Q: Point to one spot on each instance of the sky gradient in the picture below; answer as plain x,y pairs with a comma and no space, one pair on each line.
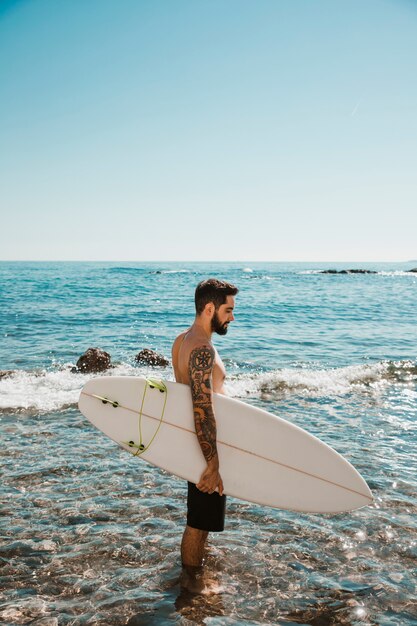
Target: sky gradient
282,130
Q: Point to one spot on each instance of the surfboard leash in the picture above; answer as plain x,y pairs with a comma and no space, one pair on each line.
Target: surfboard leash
151,383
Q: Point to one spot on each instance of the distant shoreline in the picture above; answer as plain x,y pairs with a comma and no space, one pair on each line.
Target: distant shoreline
216,262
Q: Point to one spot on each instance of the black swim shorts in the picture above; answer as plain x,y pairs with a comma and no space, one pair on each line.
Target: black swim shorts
205,511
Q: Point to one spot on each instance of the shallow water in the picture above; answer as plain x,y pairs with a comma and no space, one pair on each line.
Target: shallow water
90,535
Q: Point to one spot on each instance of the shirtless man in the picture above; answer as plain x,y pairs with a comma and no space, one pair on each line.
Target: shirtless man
197,363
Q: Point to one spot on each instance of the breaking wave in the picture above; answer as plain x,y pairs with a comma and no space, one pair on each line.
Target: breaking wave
43,391
325,382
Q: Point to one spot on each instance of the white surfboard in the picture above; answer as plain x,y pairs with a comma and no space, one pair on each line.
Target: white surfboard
263,458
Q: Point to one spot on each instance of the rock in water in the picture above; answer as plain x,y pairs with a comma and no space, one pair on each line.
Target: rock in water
93,360
348,272
150,357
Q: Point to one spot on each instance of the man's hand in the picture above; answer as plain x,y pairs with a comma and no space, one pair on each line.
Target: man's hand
210,479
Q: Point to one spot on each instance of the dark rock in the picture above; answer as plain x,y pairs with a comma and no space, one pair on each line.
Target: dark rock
150,357
6,373
413,270
348,272
362,272
93,360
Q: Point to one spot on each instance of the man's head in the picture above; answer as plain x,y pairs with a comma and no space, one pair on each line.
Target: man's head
215,298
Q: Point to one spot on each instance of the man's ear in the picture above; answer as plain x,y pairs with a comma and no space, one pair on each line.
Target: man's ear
209,309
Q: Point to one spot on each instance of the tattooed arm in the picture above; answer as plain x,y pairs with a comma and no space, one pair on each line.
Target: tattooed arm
200,371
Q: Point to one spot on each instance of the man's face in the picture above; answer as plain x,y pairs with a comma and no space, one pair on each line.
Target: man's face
223,316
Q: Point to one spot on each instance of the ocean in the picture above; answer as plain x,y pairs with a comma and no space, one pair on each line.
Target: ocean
91,535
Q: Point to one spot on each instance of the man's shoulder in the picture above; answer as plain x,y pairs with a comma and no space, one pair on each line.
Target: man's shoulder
202,345
180,337
202,357
179,340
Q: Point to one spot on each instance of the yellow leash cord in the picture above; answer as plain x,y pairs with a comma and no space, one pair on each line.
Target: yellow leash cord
151,383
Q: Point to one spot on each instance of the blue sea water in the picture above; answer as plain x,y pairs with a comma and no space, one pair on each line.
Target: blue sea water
90,535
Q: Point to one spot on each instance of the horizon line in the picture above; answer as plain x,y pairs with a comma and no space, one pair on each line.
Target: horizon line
192,261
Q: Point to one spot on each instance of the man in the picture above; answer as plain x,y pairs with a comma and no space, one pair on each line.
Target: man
197,363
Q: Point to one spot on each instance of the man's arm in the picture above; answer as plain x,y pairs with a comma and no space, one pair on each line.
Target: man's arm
200,371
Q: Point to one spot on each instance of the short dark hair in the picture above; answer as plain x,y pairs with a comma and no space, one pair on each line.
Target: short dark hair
212,290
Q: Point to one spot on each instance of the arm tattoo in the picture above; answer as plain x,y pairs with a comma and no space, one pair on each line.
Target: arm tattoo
200,370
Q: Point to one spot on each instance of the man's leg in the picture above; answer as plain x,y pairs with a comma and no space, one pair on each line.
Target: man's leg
192,546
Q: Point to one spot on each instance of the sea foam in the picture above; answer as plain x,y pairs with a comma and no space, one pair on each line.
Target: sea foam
43,391
324,382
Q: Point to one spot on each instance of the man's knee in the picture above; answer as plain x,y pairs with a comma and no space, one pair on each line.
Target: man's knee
196,533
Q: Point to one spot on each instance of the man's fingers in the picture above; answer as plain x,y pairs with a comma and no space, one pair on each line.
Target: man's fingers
209,486
202,488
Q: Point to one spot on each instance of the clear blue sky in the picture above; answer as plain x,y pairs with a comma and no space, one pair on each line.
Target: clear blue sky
282,130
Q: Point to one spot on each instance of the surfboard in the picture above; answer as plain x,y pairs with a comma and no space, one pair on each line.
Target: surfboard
263,458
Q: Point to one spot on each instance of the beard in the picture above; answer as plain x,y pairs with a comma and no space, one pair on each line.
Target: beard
217,326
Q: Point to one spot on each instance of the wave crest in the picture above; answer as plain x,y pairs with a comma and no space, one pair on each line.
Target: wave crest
324,382
40,392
